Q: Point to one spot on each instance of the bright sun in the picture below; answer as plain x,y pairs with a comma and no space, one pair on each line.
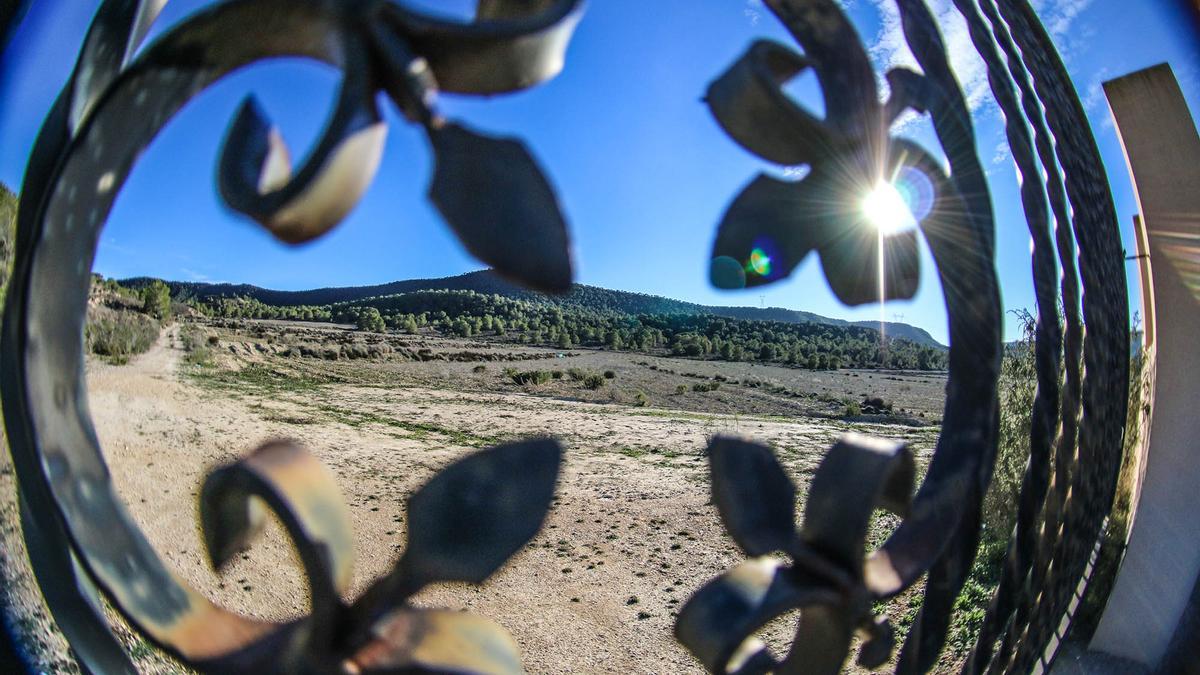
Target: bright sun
885,209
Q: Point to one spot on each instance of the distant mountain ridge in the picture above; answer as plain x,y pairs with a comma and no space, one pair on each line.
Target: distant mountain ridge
486,281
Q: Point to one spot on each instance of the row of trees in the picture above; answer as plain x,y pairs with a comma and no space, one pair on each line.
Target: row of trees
241,307
695,335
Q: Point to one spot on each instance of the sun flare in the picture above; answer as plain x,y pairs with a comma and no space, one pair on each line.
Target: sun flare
886,209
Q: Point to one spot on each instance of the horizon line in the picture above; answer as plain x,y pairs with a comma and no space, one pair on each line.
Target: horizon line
854,322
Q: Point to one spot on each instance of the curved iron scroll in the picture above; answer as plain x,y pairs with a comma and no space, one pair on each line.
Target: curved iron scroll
772,226
469,519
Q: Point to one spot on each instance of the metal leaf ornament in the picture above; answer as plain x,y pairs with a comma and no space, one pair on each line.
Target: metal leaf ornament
828,579
84,542
491,191
774,224
463,525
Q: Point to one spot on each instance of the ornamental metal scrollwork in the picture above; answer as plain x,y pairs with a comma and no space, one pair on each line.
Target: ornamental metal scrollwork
774,224
827,579
850,152
469,519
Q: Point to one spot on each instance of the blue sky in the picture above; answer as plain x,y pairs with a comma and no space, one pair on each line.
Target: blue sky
643,171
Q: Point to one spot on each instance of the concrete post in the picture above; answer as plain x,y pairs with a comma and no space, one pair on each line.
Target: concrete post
1153,595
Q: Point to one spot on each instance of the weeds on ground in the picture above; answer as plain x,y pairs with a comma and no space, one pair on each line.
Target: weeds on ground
259,378
531,377
197,346
121,335
413,430
1017,388
1116,531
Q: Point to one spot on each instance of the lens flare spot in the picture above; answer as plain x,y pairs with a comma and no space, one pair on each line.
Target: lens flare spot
885,209
917,191
725,272
760,263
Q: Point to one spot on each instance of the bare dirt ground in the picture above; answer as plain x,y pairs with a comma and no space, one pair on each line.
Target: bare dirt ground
631,533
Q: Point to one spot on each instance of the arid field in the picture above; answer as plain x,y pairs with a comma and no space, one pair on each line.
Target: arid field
631,533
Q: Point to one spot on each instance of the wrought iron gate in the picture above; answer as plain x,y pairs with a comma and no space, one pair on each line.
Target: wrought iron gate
469,519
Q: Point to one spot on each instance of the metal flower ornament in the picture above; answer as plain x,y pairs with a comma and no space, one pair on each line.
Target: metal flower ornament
463,525
866,196
827,579
468,520
386,48
861,184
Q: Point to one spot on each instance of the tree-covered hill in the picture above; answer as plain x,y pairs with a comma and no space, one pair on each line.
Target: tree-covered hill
690,334
582,296
532,320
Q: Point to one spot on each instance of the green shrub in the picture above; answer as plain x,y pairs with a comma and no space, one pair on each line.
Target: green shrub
121,335
479,368
853,409
534,377
371,320
608,375
1017,388
191,337
640,399
156,300
196,346
199,357
972,602
593,381
681,389
556,374
577,374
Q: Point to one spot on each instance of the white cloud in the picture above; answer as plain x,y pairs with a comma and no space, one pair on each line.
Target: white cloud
193,275
890,50
753,11
109,244
1093,99
1001,154
1059,16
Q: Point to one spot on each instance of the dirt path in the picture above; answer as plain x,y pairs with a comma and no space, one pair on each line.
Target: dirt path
631,534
